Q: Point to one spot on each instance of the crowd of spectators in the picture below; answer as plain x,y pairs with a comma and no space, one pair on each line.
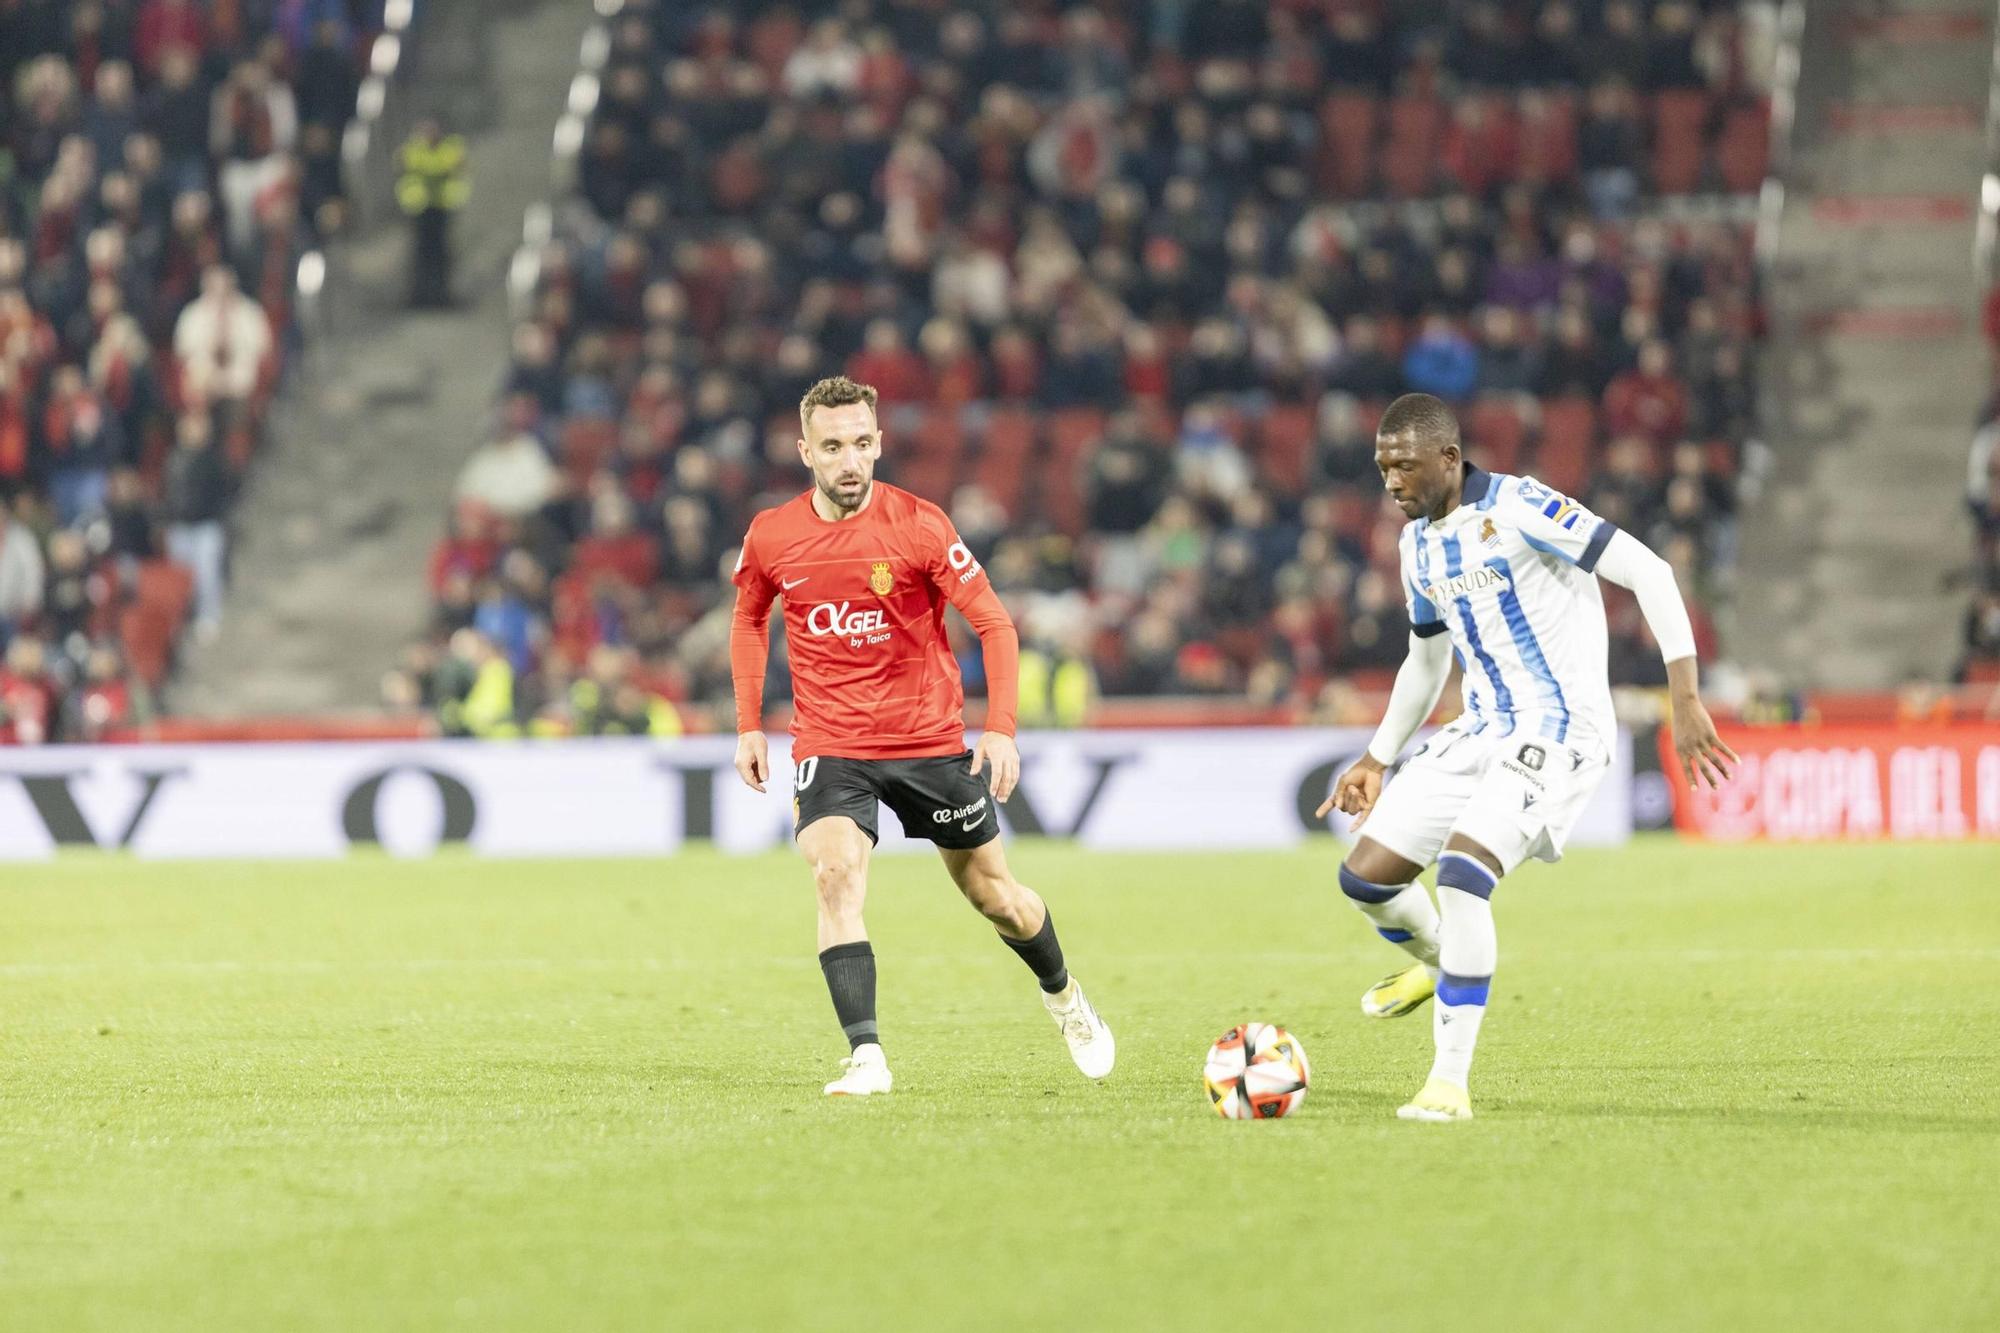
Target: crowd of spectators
163,166
1134,281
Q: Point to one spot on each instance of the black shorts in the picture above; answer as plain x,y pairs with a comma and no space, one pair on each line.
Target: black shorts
937,799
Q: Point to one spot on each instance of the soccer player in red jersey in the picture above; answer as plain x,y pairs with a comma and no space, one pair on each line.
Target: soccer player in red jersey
865,570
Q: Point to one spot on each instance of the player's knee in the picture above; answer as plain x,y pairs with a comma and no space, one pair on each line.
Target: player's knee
1467,871
839,877
1364,890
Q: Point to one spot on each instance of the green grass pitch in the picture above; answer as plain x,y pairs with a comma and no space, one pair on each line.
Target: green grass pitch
1747,1088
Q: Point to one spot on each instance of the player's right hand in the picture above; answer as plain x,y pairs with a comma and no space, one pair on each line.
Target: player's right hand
753,759
1355,791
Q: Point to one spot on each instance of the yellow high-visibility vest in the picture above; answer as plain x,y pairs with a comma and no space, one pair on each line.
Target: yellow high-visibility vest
433,175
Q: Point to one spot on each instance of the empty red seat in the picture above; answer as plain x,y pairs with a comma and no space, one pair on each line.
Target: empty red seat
585,444
1006,458
1072,432
1548,138
1680,118
1285,446
148,639
1569,438
166,586
1410,157
1743,152
938,432
1348,121
932,476
1495,432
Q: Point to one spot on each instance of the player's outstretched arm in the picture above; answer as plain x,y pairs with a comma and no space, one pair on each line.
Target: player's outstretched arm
1419,681
1628,563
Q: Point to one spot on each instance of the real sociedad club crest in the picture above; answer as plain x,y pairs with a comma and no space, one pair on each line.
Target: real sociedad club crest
880,579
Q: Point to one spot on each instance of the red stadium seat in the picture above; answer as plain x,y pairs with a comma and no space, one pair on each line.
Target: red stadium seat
1285,446
1073,431
772,39
585,444
1569,439
1548,138
165,586
149,642
1348,121
1410,157
1006,458
1743,153
1495,432
1679,124
939,432
1481,144
932,476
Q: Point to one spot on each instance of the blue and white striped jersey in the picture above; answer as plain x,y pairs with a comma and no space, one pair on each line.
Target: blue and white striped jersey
1509,575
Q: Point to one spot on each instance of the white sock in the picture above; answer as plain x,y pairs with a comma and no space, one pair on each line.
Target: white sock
1409,921
1468,951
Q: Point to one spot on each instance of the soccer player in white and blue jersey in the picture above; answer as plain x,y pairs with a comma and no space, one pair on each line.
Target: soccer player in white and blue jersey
1502,572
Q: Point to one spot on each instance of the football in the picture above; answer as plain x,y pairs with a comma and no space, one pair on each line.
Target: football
1256,1072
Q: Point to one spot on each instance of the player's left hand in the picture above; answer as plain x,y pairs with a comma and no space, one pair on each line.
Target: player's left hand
1700,749
999,752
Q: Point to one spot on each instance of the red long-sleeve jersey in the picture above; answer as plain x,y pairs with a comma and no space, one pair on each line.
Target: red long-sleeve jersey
872,673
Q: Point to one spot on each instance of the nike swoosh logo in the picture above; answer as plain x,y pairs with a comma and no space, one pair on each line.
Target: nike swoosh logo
970,824
789,584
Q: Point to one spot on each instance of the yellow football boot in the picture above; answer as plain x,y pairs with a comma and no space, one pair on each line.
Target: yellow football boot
1440,1103
1399,993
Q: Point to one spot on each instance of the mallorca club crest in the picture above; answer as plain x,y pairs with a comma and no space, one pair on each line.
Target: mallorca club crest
880,579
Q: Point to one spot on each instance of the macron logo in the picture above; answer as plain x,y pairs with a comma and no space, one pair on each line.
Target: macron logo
1482,579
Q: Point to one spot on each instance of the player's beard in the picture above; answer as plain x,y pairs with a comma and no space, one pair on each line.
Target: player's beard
839,498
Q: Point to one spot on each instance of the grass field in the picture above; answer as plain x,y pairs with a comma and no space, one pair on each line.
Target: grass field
1717,1088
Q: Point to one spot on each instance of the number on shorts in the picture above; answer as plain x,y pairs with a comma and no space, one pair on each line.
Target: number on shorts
804,777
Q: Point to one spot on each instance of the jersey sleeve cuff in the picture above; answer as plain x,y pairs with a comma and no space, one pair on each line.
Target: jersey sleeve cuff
1594,549
1428,628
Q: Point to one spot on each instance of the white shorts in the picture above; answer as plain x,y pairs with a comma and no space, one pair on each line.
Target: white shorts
1517,796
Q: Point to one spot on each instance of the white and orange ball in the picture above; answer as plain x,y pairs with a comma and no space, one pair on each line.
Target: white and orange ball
1256,1072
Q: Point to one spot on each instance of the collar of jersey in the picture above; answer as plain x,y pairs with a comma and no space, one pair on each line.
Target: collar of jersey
1475,482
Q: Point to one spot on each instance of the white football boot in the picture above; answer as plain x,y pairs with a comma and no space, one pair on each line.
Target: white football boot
865,1073
1091,1044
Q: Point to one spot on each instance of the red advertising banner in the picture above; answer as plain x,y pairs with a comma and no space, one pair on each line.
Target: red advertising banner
1820,784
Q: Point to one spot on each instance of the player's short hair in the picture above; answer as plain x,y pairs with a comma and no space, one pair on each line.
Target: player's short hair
1429,419
835,391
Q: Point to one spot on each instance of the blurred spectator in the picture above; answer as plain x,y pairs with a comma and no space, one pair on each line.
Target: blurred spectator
28,695
433,186
222,339
510,474
198,490
81,441
21,574
1441,361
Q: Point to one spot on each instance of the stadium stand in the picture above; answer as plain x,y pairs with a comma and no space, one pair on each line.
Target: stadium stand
163,166
1135,282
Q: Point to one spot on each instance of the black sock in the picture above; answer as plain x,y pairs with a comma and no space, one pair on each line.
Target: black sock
1043,955
850,979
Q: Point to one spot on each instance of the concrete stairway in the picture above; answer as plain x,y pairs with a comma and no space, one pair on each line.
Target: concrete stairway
1875,367
333,533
